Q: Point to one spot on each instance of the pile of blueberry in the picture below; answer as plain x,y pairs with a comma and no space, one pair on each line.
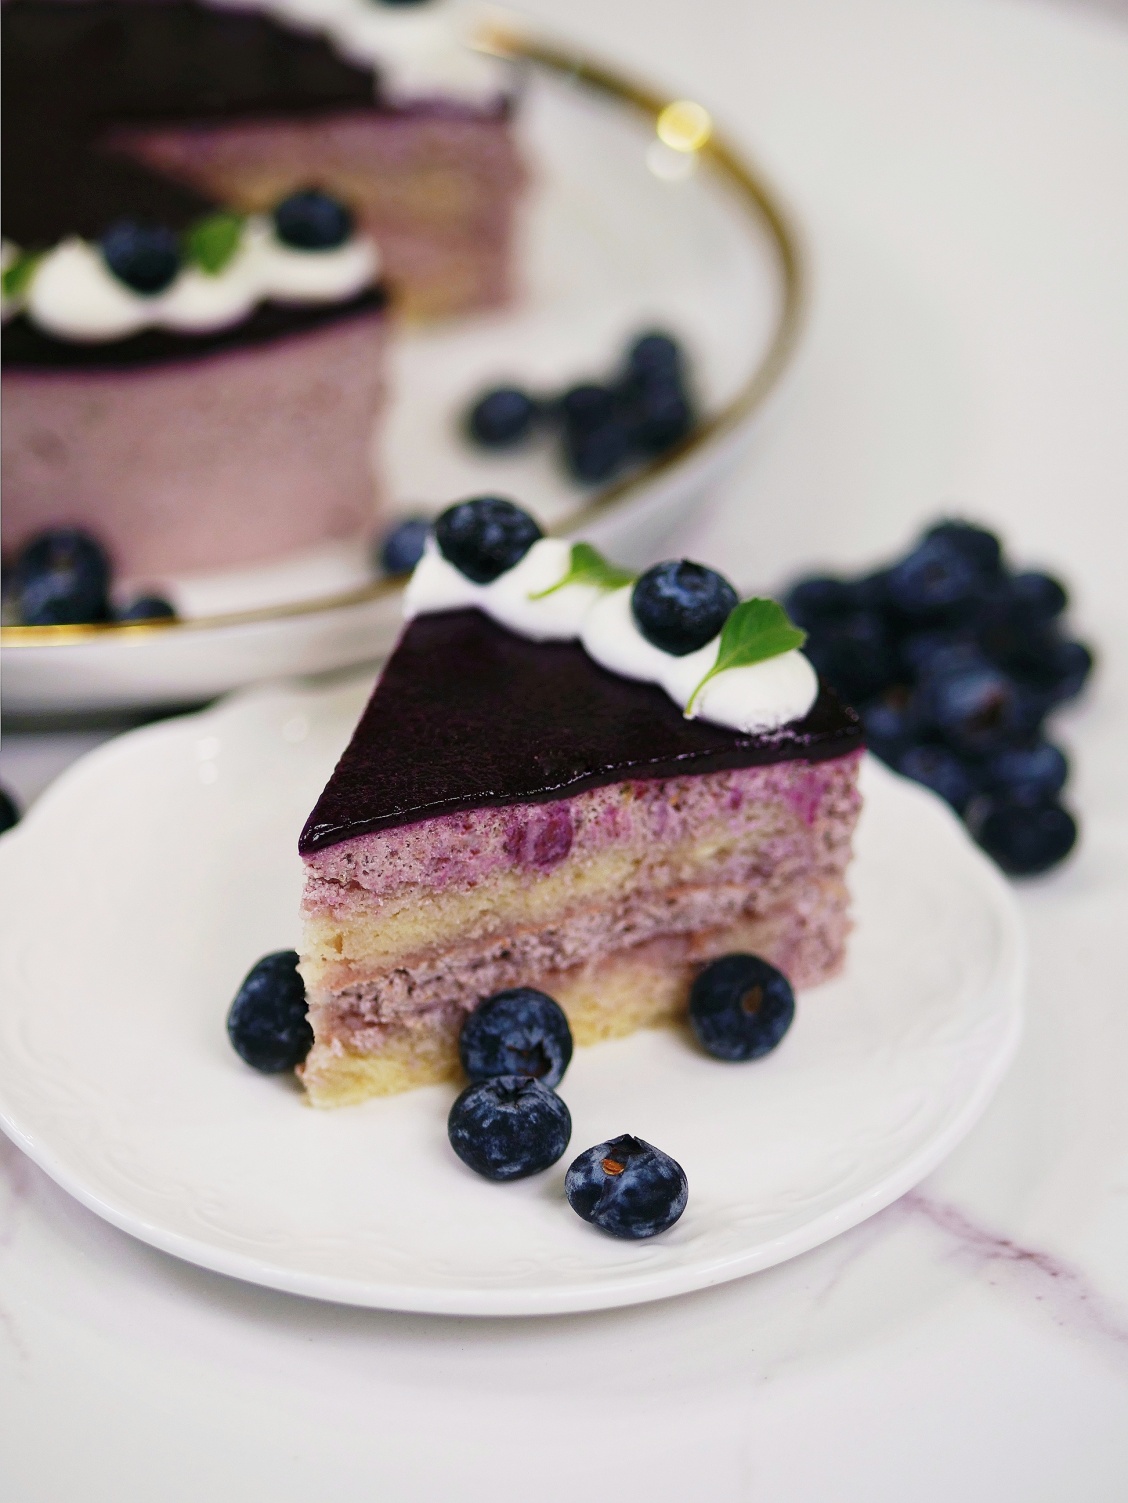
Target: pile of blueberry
62,577
514,1048
602,428
954,661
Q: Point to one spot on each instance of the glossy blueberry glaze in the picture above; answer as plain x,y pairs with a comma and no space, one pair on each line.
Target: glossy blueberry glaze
468,715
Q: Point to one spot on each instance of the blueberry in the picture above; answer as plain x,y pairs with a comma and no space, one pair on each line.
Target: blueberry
1069,665
62,578
1027,774
740,1007
820,598
940,769
485,536
402,548
925,653
501,418
1024,839
654,354
659,415
976,544
1040,597
148,608
517,1032
679,606
267,1024
890,725
855,654
977,709
144,257
9,811
871,592
595,454
935,578
508,1127
627,1188
310,220
587,407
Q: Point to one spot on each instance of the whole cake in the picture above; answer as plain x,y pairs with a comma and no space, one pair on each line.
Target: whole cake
572,780
204,209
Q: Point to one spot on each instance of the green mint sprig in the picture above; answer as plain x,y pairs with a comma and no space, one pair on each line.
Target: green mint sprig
755,631
212,242
17,276
589,567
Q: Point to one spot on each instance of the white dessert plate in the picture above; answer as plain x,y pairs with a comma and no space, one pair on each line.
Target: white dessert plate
624,231
143,885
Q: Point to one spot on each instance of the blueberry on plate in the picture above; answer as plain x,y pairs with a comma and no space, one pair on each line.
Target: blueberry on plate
516,1032
9,811
660,415
678,606
148,608
942,770
310,220
654,354
935,578
978,709
501,418
508,1127
855,654
145,257
485,536
889,724
981,547
61,578
820,598
740,1007
401,549
1039,597
1024,839
587,406
1027,774
595,454
627,1188
267,1024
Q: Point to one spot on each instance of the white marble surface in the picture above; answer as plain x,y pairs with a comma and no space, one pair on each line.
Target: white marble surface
960,165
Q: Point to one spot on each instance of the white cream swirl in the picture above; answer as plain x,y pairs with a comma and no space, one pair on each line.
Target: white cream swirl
74,295
755,699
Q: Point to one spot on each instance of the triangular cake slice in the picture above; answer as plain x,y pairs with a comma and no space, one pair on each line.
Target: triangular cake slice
510,813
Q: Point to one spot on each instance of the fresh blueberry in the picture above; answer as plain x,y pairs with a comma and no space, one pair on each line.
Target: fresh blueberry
1040,597
659,415
9,811
889,724
1069,665
508,1127
1027,774
267,1024
820,598
980,547
310,220
61,578
627,1188
148,608
940,769
595,454
501,418
402,547
855,654
740,1007
924,653
588,407
145,257
679,606
485,536
654,354
936,578
517,1032
871,592
978,709
1024,839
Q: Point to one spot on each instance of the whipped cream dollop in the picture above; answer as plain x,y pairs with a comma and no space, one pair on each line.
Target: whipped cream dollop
421,51
755,699
74,295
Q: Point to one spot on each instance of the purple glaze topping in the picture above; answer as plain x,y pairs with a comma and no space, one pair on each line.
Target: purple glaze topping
468,716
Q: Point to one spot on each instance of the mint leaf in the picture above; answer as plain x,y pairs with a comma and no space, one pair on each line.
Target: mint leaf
589,567
212,242
755,631
17,276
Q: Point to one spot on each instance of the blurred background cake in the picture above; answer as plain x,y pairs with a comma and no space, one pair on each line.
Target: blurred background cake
208,211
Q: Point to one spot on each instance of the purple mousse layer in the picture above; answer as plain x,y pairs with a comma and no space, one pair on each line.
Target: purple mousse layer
233,453
468,716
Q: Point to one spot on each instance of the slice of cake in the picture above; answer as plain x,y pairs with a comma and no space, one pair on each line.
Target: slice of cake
511,811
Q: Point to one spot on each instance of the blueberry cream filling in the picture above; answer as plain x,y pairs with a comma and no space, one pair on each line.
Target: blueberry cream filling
679,625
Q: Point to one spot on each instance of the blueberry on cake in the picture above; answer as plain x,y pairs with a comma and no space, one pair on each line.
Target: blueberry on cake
205,207
574,780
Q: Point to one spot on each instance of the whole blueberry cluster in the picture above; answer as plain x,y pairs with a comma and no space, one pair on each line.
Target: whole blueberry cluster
954,661
63,577
602,428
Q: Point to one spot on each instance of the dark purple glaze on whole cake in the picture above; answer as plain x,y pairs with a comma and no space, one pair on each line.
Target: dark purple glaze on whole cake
468,715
